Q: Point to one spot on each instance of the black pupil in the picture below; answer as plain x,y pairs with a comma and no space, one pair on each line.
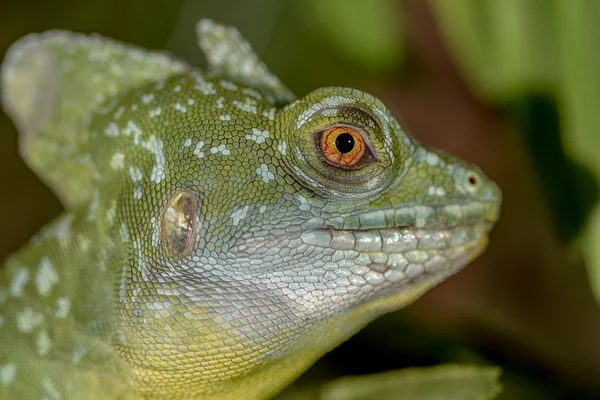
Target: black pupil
344,143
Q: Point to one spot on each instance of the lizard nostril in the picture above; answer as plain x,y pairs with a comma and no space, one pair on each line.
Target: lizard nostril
471,182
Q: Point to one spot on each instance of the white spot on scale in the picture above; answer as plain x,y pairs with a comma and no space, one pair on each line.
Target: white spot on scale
187,142
304,206
43,343
134,107
191,102
50,389
135,174
155,112
46,277
119,112
228,85
7,373
270,114
19,280
28,320
197,149
177,89
436,191
432,159
111,212
132,129
225,117
220,102
220,149
83,242
249,105
282,147
147,98
63,306
156,146
203,86
239,215
258,136
117,161
124,233
263,171
180,108
111,130
155,232
78,354
262,209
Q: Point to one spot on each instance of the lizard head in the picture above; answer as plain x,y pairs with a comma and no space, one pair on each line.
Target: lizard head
286,234
389,217
235,241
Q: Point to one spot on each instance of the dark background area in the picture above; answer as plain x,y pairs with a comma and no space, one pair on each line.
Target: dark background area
525,305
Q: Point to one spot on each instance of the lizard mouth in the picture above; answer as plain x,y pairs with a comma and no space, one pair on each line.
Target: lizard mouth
384,247
404,254
397,239
409,245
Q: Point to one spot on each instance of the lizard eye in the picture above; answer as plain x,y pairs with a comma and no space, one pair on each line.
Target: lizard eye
342,143
343,146
178,229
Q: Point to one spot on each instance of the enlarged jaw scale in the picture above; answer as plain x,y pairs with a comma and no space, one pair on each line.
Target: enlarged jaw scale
219,235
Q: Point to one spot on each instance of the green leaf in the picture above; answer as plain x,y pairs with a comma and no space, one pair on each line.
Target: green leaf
515,53
581,102
366,33
505,48
445,382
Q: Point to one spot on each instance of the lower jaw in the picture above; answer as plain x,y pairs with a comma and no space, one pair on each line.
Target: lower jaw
469,252
398,297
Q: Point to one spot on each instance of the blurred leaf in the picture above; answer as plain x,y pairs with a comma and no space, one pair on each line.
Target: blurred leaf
444,382
506,48
571,190
366,33
514,52
579,33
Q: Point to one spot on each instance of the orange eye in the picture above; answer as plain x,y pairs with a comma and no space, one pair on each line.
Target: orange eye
343,146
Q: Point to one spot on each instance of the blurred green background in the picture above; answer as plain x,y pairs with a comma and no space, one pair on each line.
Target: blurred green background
511,85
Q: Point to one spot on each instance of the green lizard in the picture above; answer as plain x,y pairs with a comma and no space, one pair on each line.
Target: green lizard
219,235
